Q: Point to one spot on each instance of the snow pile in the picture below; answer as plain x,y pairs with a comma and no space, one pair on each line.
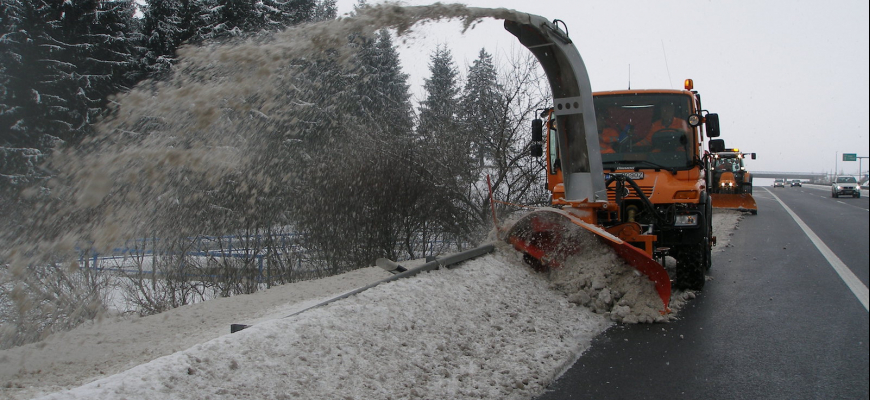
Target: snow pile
596,278
724,224
488,329
491,329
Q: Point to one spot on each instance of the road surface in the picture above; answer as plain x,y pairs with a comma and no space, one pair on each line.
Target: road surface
776,320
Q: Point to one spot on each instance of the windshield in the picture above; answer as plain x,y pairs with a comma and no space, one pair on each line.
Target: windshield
846,179
727,164
645,130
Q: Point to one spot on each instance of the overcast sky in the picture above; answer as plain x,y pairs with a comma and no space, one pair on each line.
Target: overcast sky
789,79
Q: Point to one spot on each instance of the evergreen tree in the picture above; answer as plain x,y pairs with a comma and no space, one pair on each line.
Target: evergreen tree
24,53
482,104
63,61
450,167
278,14
324,10
439,110
383,95
497,110
166,25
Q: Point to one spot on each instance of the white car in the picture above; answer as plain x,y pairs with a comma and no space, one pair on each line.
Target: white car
846,185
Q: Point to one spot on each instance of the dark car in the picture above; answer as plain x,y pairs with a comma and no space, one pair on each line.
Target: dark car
779,182
846,185
797,183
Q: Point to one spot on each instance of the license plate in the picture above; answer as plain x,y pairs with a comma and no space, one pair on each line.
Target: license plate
633,175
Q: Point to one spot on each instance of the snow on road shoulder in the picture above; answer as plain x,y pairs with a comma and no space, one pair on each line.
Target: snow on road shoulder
725,222
490,329
112,345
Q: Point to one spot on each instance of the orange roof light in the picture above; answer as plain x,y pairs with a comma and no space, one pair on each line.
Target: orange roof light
688,84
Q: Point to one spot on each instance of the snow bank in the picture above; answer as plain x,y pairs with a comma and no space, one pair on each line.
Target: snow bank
490,329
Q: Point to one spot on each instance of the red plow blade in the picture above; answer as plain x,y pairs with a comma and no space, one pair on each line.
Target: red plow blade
548,237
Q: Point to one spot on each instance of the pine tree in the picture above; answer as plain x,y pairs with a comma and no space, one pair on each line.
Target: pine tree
482,104
278,14
497,111
166,25
439,110
324,10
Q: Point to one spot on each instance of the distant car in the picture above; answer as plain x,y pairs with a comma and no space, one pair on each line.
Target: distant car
779,182
796,183
846,185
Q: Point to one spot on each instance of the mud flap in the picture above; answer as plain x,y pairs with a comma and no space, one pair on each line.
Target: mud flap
550,236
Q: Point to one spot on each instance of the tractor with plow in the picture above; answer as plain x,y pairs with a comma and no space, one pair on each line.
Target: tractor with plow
732,183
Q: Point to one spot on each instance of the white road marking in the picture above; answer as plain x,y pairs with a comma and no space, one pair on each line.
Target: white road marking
852,281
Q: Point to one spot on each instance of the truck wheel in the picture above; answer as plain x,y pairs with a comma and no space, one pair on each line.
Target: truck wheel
690,269
706,242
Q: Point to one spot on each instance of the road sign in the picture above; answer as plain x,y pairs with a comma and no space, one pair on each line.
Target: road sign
850,157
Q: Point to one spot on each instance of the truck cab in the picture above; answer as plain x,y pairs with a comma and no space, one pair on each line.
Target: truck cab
655,170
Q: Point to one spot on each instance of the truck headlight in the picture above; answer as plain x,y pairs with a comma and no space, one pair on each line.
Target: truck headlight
686,220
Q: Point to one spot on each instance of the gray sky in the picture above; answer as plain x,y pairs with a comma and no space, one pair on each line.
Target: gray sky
789,79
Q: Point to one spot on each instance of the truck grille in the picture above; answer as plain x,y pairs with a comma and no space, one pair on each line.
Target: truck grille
647,191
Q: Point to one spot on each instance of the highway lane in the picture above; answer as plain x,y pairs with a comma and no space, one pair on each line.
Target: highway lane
842,223
775,321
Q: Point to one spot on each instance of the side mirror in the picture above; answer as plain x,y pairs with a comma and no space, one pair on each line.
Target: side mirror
753,156
537,147
717,145
712,124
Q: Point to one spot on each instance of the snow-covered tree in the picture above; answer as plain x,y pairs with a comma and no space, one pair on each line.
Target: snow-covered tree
166,24
438,111
278,14
482,106
62,62
497,110
325,10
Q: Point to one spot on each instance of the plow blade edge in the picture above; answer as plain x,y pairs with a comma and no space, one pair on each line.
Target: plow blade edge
549,237
740,202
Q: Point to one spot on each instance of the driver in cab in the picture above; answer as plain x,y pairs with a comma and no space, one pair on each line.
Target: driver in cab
667,122
608,137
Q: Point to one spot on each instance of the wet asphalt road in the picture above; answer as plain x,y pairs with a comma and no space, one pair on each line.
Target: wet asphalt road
775,321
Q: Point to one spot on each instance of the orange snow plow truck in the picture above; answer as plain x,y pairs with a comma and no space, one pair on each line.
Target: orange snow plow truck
636,177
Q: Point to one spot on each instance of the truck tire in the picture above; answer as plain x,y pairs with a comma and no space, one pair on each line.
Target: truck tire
707,241
690,271
695,258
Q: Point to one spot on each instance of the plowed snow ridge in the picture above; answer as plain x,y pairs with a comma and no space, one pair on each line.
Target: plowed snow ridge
490,329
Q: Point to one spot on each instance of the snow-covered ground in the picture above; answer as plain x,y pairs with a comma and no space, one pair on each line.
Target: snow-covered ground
490,329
